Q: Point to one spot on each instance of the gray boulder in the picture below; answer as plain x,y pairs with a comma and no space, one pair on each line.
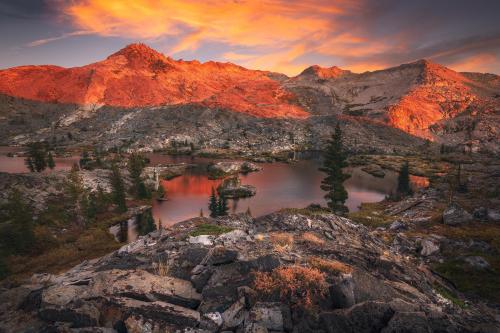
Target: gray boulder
493,215
454,215
429,247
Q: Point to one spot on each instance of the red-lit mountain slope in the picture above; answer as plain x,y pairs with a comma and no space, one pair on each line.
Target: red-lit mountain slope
139,76
420,98
416,98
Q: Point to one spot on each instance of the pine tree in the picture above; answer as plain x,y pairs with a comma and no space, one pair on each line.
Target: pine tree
16,225
91,207
50,161
404,188
36,159
85,160
77,194
30,164
335,160
73,186
142,191
97,157
222,208
147,223
213,204
136,164
118,193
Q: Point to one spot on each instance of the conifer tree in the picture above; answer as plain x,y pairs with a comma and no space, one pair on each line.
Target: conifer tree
136,164
77,194
73,186
222,208
85,160
213,204
50,161
16,225
404,188
334,160
118,192
102,200
147,223
91,207
97,157
36,159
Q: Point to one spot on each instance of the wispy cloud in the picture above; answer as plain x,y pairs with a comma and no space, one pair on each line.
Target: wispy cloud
53,39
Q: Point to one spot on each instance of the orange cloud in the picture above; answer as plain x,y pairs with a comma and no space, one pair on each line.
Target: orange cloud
276,28
237,22
479,62
278,35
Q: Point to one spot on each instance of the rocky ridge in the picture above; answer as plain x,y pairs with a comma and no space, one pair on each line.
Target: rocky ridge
179,280
422,99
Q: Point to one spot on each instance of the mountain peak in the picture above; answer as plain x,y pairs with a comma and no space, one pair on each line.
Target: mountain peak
324,72
139,51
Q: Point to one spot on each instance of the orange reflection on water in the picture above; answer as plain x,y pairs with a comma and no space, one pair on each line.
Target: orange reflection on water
419,182
190,184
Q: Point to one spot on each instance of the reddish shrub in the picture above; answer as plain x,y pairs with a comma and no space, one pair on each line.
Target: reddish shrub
296,285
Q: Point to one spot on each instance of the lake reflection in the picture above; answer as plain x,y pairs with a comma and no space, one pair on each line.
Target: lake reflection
279,185
16,164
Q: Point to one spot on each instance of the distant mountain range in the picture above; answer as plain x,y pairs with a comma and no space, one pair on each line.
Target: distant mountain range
422,98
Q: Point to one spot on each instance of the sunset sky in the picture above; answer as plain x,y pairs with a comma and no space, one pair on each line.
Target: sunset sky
279,35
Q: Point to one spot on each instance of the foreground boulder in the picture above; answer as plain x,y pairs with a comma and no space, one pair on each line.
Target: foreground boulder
284,272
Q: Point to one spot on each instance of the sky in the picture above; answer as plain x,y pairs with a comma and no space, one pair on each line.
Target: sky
279,35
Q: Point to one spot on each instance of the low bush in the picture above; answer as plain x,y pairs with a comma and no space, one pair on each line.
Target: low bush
298,286
329,265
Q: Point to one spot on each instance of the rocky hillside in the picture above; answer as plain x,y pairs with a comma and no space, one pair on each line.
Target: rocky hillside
421,99
292,271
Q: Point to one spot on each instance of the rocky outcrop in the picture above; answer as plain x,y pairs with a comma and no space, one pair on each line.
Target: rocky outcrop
227,168
164,171
172,283
232,188
454,215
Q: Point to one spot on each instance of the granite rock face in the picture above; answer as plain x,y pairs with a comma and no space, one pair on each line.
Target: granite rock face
180,284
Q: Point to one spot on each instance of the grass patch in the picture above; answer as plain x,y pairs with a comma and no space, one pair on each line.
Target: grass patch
310,211
427,166
312,239
452,297
91,243
372,215
483,283
282,241
487,232
209,229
